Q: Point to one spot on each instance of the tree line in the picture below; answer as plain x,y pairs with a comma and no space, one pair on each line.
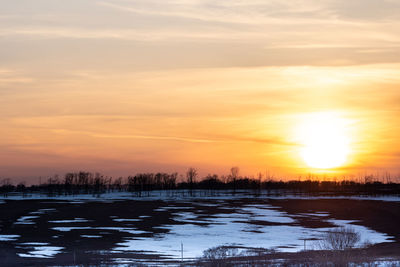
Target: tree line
142,184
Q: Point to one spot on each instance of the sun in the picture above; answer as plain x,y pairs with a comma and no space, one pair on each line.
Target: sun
324,139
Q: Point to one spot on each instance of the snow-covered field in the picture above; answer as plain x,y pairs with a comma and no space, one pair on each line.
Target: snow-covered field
180,221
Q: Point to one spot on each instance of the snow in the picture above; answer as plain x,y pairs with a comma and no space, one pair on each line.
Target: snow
91,236
26,220
68,229
380,198
34,244
120,229
181,195
367,235
318,214
234,229
42,252
267,213
196,239
378,263
75,220
127,220
201,233
208,204
42,211
9,237
185,217
126,262
172,208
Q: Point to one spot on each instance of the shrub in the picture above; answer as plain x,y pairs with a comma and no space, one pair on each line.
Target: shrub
340,239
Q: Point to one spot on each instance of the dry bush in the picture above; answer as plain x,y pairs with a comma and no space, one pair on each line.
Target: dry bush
340,239
337,247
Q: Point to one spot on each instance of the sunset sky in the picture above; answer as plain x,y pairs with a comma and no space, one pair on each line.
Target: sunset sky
126,86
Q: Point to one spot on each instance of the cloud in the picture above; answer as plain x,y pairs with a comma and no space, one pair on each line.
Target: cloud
12,76
132,136
193,34
262,12
236,12
213,138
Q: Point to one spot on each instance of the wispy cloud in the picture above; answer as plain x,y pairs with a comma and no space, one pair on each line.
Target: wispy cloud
8,76
263,12
199,139
133,136
123,34
194,33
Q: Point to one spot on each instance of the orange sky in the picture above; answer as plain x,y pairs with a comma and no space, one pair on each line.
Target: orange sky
125,86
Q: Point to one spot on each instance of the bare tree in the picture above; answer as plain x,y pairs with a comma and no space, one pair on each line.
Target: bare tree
234,175
234,172
191,175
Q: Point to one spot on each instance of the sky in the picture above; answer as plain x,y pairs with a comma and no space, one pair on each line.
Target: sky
126,86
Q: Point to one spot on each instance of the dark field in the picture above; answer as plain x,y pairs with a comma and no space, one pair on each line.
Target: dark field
56,232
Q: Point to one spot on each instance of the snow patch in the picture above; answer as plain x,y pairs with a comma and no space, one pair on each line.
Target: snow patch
91,236
26,220
75,220
234,229
42,252
34,244
120,229
127,220
366,234
9,237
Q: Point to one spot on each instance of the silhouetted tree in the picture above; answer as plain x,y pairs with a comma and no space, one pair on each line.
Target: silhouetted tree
191,178
233,176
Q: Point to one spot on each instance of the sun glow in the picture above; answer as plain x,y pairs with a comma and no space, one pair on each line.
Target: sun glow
325,140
